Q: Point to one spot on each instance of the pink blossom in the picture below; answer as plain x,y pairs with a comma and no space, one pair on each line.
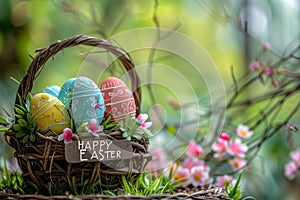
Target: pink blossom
194,150
223,180
237,148
181,174
142,120
289,127
267,70
190,162
220,148
267,46
295,156
243,131
67,136
237,163
290,170
200,176
254,65
93,128
225,136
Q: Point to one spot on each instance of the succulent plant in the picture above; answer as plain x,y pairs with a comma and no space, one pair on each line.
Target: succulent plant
132,127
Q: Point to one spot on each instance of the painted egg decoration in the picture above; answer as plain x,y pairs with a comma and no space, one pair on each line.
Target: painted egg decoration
65,92
49,113
86,102
118,99
52,89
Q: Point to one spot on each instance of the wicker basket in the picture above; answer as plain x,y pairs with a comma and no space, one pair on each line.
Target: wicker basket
43,162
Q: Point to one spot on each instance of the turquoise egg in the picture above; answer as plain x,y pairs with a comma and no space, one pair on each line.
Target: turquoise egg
83,99
52,89
65,93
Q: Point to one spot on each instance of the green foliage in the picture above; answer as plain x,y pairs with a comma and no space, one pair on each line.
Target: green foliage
234,191
25,126
107,125
13,181
146,184
131,128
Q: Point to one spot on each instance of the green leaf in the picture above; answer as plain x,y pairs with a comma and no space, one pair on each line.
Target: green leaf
109,126
147,133
29,96
125,134
17,127
25,139
20,134
3,129
19,116
29,118
32,138
139,131
126,185
82,127
22,102
107,121
128,138
127,121
137,136
19,111
3,121
22,122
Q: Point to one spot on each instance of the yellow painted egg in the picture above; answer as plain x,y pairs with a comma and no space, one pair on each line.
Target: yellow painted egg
49,113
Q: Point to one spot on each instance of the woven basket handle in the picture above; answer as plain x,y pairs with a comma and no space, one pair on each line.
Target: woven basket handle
44,54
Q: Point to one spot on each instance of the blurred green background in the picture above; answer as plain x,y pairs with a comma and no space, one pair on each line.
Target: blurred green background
218,26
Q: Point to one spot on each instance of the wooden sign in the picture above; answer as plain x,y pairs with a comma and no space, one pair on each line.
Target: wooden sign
98,150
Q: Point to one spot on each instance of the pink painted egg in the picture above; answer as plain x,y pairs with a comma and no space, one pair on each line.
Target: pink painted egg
118,99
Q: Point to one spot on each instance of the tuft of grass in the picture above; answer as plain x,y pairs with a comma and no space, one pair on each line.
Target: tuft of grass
234,191
86,188
146,184
14,182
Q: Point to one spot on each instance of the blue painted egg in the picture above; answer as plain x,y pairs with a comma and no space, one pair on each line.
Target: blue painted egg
86,102
65,93
52,89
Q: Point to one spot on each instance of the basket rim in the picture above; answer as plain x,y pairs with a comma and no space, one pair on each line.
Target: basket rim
44,54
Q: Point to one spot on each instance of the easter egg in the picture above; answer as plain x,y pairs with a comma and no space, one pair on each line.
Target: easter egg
52,89
65,93
86,102
49,113
118,99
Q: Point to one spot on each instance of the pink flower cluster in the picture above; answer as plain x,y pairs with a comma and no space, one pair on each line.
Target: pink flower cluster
193,170
292,168
233,146
266,68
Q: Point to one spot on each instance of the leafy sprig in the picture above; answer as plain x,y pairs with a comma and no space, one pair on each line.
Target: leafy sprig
107,125
25,126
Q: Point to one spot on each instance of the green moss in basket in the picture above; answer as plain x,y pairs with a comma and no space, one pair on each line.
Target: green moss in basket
25,126
135,127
